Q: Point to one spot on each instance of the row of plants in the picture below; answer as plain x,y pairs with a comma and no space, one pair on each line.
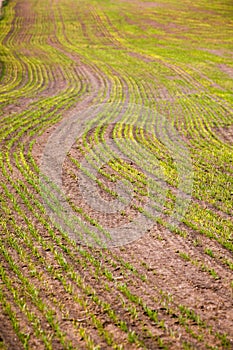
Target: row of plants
28,234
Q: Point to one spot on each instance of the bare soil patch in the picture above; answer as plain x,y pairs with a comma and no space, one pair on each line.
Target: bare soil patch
226,134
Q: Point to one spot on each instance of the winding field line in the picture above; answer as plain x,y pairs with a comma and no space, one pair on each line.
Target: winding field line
122,61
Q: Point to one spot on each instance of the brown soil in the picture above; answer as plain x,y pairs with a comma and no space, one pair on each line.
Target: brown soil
226,69
226,134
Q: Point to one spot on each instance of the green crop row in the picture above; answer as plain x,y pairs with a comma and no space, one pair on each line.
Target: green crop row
56,63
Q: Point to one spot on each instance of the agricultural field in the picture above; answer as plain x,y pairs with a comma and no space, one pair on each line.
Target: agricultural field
116,174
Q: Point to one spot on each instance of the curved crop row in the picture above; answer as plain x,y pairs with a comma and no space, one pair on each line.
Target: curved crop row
142,88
